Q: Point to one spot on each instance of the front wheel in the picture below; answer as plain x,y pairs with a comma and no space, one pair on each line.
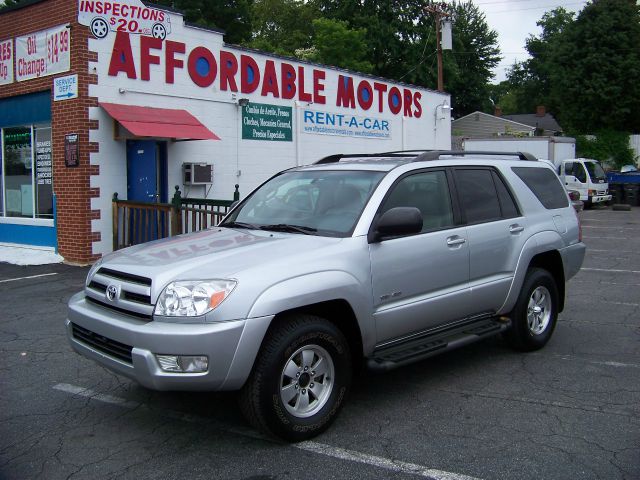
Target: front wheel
299,380
536,312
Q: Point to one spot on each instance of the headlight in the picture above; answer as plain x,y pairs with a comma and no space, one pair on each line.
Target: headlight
192,298
94,268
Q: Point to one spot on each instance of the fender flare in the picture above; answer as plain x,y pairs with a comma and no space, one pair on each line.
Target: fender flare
541,242
290,294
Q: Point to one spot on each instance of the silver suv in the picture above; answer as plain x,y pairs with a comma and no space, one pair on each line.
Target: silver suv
379,259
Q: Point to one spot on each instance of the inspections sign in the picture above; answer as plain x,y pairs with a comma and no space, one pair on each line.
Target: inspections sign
345,125
261,121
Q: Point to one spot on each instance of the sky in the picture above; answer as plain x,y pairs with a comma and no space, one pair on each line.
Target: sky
515,20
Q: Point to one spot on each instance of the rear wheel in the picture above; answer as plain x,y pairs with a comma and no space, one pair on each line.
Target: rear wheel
535,314
299,380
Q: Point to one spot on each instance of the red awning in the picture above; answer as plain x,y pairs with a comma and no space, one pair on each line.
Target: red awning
159,122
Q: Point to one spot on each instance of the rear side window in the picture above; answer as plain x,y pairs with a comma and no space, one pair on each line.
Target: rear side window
545,185
509,208
478,195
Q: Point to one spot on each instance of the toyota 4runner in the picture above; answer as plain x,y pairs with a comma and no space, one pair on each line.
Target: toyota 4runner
381,260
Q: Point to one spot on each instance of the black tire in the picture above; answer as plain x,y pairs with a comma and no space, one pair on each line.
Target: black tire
531,329
263,397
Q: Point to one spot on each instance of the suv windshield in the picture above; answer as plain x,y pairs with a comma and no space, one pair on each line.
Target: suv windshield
595,171
310,202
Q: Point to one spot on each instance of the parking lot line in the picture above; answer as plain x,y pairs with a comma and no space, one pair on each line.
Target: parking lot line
589,237
625,304
27,278
538,401
308,446
609,227
610,270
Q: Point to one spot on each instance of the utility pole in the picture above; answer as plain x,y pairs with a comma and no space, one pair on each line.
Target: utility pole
440,12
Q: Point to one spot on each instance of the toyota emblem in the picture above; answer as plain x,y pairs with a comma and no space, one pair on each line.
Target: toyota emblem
112,292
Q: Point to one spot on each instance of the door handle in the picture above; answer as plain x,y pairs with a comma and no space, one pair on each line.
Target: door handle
515,228
455,241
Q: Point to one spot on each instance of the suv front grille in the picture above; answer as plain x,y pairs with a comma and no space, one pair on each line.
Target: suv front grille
103,344
132,297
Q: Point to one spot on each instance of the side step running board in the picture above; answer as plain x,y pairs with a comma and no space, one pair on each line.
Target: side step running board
389,357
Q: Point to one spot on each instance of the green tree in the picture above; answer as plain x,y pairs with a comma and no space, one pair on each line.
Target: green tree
530,80
10,3
608,146
282,26
231,16
401,40
334,43
597,66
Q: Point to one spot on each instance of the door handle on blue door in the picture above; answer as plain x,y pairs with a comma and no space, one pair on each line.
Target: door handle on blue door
515,228
455,241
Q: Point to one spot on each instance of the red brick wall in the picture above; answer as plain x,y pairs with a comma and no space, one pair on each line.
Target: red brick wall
71,185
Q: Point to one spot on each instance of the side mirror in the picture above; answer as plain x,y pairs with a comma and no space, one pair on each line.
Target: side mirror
396,222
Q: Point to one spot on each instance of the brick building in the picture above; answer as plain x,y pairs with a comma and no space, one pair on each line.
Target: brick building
98,97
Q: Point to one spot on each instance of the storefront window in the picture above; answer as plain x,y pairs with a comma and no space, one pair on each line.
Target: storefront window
26,191
44,188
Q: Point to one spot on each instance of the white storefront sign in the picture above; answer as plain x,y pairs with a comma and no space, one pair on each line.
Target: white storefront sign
65,88
43,53
345,125
6,61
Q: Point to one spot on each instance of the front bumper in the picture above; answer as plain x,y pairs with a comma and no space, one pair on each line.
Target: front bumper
600,198
226,345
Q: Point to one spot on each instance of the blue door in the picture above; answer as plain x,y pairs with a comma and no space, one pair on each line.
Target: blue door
142,171
146,183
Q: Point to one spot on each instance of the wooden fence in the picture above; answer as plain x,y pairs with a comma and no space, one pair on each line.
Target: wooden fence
138,222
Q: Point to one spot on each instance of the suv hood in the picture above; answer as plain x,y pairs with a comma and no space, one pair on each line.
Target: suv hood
214,253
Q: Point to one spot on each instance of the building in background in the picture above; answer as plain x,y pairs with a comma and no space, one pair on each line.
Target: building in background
98,98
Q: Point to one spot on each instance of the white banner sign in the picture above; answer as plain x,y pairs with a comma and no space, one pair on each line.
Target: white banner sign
131,16
43,53
6,61
345,125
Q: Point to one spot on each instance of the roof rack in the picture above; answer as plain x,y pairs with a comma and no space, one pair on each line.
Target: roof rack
423,155
339,156
436,154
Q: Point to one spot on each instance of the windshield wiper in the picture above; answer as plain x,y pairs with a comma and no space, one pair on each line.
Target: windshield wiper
250,226
285,227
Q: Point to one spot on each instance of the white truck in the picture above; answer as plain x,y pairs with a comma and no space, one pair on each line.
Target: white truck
583,175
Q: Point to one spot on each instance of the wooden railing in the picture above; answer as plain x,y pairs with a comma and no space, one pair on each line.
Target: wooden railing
138,222
198,214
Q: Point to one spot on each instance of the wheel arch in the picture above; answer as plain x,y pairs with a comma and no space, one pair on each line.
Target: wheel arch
341,315
551,261
541,251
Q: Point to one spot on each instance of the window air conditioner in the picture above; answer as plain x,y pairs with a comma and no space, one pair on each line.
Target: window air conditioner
197,173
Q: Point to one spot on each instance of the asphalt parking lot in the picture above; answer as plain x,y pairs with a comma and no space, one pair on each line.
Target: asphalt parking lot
569,411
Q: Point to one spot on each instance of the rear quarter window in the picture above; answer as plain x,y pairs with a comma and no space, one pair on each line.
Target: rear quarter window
545,185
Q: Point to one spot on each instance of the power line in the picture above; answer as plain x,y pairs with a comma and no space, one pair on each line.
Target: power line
584,2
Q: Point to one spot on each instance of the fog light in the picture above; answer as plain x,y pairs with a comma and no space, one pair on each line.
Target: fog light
183,363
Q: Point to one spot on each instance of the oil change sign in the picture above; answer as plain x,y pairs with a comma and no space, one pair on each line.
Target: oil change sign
6,61
261,121
43,53
345,125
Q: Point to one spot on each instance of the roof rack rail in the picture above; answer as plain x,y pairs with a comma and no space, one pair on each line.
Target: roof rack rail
422,155
436,154
339,156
